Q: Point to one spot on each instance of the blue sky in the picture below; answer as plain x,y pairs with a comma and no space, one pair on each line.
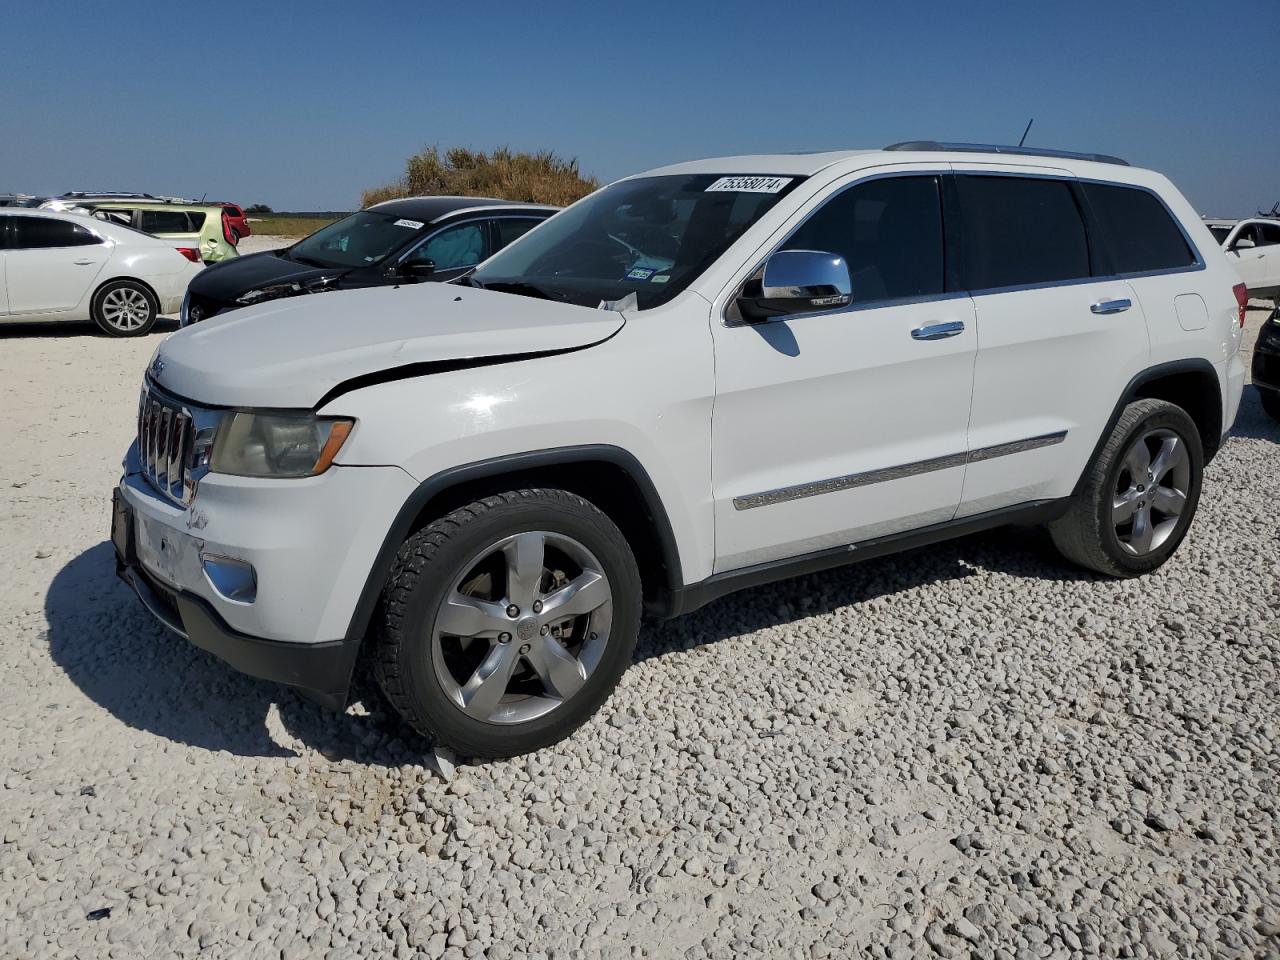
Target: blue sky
303,105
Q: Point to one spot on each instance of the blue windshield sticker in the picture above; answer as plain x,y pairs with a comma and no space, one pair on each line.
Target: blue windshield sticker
640,273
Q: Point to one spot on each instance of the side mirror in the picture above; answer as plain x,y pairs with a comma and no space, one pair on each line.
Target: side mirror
417,270
796,281
1244,243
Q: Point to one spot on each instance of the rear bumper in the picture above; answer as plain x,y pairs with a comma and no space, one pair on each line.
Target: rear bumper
320,671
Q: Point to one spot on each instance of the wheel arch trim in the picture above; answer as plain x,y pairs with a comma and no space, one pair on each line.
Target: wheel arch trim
440,483
1132,391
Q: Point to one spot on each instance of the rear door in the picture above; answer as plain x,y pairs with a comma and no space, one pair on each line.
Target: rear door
1056,344
51,265
1267,238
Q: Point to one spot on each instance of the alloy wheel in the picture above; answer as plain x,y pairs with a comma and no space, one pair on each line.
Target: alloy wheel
125,308
1151,491
522,627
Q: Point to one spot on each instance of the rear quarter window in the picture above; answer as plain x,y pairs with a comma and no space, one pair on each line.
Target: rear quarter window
1138,231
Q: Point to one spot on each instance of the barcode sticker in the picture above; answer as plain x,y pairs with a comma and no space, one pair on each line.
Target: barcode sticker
748,185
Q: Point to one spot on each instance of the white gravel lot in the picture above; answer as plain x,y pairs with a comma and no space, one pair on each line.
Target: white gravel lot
969,750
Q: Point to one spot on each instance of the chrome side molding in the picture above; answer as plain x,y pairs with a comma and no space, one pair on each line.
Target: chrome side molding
851,480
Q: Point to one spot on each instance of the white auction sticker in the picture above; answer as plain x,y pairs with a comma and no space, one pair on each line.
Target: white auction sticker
748,185
412,224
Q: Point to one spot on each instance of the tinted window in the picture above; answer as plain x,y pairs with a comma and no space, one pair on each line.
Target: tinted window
510,229
35,232
360,240
888,231
122,217
1267,233
1137,230
165,221
1220,233
453,248
650,236
1021,230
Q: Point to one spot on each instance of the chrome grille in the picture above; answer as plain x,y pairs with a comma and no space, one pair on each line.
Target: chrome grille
169,445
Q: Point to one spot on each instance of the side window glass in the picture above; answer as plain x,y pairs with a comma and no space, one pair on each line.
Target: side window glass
453,248
510,229
889,232
1268,234
1138,231
122,217
35,233
165,221
1020,231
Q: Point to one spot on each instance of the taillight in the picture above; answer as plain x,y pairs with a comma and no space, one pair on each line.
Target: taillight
191,253
1242,300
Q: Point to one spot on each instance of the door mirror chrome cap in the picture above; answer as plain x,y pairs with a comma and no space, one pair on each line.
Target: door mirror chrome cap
797,281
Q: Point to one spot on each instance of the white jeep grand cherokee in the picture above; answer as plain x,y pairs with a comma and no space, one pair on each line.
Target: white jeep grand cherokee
694,380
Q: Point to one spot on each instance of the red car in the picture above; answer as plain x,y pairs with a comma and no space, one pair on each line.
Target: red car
235,225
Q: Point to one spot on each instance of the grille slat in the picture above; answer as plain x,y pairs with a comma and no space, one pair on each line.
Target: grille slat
166,439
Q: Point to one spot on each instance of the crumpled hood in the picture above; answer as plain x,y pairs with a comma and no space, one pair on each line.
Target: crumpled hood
293,352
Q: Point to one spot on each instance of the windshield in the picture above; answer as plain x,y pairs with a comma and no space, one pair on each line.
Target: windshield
360,240
651,236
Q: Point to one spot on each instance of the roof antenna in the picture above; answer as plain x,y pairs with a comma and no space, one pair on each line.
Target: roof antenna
1026,131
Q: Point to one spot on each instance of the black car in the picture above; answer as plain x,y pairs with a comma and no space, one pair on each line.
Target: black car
399,241
1266,364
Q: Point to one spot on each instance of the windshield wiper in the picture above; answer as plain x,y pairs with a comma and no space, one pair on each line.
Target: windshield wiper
468,280
526,289
309,261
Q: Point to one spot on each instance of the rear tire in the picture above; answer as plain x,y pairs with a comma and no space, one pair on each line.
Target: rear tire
1271,403
124,308
506,624
1139,495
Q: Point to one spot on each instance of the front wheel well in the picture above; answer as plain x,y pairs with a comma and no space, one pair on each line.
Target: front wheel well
606,477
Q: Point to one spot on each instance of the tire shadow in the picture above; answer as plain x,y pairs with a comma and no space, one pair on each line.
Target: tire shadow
112,649
66,329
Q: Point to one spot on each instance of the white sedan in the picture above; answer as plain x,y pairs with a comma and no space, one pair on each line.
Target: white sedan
62,266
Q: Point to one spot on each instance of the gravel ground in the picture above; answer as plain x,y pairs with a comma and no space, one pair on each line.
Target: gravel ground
969,750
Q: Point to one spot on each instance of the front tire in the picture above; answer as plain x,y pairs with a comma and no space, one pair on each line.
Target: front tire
507,623
1139,495
124,308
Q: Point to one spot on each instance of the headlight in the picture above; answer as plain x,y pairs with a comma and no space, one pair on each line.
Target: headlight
277,444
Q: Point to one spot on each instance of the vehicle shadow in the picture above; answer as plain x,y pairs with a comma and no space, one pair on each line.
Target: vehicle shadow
65,329
1252,422
152,680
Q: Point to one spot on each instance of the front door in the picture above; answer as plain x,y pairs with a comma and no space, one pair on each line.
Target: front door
830,428
51,265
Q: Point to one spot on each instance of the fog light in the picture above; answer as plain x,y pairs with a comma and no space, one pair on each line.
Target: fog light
233,579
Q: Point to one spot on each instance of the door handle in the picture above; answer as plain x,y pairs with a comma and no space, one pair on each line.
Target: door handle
938,331
82,263
1112,306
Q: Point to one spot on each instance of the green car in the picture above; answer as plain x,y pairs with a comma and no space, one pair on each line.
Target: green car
202,226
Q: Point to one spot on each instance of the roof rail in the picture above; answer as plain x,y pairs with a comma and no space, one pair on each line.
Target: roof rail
934,145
